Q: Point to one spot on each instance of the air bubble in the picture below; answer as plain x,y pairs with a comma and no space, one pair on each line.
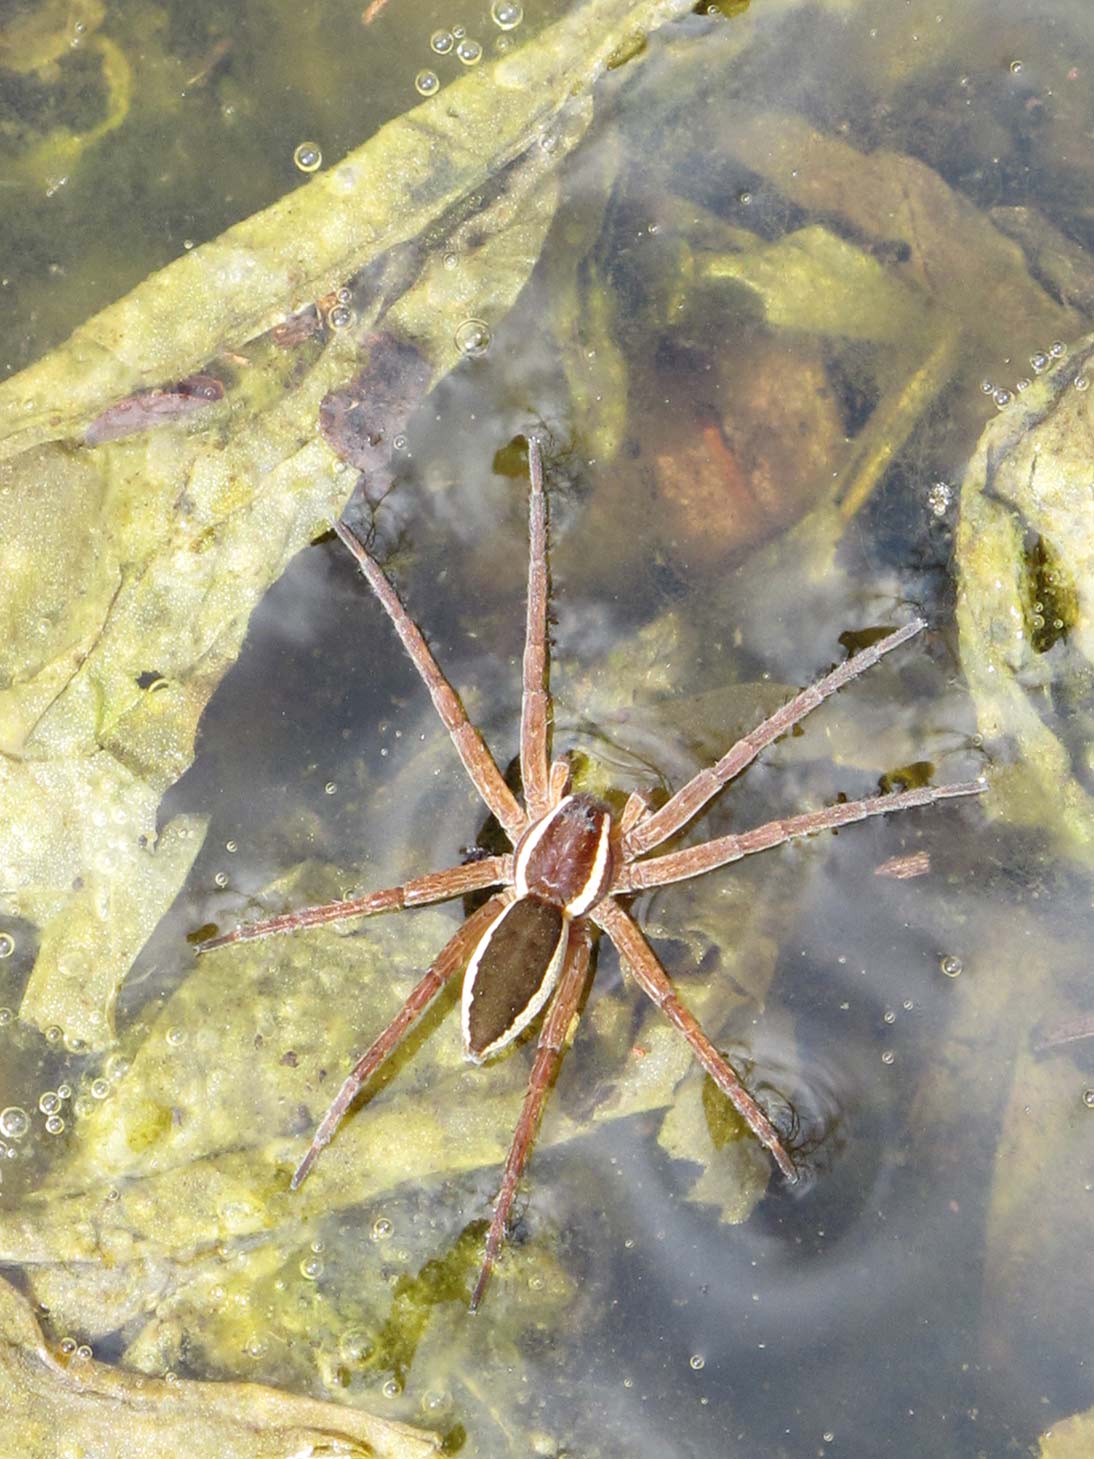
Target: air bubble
888,1057
392,1388
54,1125
1022,384
231,847
355,1346
340,317
473,338
507,14
986,387
330,788
100,1088
308,157
697,1361
1015,68
951,966
116,1067
1057,349
427,83
459,31
64,1091
1082,382
442,42
1001,398
398,443
382,1228
6,1015
469,51
1088,1098
888,1016
49,1102
221,879
7,944
84,1351
175,1036
67,1346
14,1122
54,1034
311,1268
1038,361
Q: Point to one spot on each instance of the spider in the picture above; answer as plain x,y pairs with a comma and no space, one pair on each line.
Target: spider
529,947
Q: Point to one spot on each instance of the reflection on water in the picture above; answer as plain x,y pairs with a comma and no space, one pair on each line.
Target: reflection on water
797,267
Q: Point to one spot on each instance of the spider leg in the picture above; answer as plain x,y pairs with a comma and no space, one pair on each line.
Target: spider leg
470,745
691,798
448,961
694,860
437,886
548,1057
535,704
651,977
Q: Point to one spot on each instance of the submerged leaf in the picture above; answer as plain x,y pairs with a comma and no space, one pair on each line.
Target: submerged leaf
1025,549
113,1414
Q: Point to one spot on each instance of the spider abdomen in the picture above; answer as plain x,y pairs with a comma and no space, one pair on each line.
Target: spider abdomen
566,857
511,974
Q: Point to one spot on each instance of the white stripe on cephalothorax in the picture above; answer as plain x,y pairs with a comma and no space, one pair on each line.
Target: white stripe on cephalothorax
590,892
530,1009
534,837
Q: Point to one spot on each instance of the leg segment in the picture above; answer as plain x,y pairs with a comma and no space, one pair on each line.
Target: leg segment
689,800
548,1056
694,860
438,886
654,982
535,704
477,760
448,961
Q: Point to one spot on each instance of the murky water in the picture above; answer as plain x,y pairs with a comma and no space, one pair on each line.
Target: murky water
774,312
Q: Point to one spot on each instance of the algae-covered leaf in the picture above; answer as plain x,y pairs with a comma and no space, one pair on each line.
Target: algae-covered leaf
1025,550
114,1414
1070,1438
390,190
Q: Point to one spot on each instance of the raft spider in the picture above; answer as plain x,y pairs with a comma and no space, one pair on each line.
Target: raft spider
529,947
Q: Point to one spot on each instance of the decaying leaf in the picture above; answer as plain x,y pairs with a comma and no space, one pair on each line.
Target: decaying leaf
1025,548
53,1404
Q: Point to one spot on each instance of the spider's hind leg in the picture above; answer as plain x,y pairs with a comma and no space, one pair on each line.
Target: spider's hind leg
549,1052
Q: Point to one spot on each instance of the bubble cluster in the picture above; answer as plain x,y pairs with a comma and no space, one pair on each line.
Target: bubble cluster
939,498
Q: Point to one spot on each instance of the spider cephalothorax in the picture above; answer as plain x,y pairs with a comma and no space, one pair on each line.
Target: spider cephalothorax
528,949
